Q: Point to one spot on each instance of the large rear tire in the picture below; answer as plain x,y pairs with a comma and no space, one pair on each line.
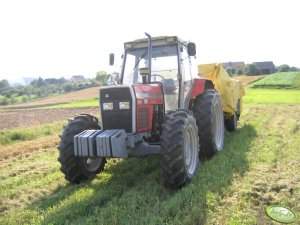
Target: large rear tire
74,168
180,148
208,112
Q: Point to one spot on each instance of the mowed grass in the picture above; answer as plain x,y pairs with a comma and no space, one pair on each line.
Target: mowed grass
30,133
271,96
257,168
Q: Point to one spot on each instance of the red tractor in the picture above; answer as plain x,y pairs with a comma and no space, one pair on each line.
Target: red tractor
161,106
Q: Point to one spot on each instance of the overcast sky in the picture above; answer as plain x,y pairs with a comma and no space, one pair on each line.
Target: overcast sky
63,38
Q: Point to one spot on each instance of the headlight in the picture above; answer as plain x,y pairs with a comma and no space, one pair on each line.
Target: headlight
124,105
108,106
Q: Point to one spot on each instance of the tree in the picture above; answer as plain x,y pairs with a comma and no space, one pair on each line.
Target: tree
251,69
68,87
25,99
229,70
4,101
294,69
240,72
283,68
101,77
4,84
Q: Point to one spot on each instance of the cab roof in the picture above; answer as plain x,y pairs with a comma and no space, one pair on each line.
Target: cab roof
156,41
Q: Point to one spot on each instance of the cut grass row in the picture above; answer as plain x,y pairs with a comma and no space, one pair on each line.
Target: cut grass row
287,80
256,169
12,136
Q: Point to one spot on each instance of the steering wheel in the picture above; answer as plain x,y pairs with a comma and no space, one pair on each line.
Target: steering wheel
157,75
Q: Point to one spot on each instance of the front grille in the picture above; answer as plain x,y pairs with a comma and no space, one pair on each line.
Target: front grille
116,118
143,118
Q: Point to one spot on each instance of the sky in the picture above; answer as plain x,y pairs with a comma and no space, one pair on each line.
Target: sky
61,38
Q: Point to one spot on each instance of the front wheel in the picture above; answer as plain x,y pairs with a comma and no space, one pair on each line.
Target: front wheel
180,148
74,168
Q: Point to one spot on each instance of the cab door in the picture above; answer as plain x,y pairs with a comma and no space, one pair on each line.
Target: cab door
187,80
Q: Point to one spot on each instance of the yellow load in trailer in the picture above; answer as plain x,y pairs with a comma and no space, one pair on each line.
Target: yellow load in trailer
231,90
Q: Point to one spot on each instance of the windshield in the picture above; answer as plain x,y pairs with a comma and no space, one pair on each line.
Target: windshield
164,64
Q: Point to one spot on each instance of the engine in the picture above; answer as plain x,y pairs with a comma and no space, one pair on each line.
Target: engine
136,109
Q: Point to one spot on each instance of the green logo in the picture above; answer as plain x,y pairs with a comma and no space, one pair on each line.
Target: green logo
281,214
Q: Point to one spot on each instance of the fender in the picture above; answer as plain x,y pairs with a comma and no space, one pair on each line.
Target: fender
200,85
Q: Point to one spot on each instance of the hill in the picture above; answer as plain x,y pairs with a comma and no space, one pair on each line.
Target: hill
87,93
287,80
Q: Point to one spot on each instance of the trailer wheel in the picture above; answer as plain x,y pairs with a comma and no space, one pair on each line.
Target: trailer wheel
208,111
180,148
74,168
231,122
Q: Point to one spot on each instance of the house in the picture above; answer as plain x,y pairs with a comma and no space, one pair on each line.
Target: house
266,67
77,78
234,65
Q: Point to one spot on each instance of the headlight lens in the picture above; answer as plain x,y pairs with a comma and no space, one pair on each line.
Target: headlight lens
108,106
124,105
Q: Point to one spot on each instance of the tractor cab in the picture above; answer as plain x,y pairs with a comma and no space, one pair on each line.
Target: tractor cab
166,60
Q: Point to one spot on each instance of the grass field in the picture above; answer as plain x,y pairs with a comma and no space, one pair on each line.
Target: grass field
253,96
271,96
257,168
75,104
287,80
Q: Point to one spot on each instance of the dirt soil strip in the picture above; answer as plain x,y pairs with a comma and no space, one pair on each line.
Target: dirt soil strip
23,118
245,80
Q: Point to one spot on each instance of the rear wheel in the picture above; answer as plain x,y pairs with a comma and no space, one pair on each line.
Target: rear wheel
180,148
78,169
231,122
208,112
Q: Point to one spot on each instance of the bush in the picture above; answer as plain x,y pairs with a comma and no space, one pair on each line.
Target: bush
4,101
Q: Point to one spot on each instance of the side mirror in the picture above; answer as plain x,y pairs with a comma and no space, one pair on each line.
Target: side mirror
191,48
111,59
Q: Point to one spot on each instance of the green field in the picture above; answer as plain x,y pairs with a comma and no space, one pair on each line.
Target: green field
271,96
257,168
287,80
253,96
78,103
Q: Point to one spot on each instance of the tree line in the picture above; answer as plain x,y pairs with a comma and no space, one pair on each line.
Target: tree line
252,69
41,88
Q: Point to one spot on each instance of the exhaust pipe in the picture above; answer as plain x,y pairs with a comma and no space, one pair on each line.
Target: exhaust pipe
149,55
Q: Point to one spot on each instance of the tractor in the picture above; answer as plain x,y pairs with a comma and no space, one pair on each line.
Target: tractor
159,107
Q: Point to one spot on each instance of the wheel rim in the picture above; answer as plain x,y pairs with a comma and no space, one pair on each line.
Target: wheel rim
92,164
218,126
190,150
